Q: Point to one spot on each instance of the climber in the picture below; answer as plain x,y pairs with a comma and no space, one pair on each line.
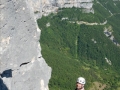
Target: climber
80,83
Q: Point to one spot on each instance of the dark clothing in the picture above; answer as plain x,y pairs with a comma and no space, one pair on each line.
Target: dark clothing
81,89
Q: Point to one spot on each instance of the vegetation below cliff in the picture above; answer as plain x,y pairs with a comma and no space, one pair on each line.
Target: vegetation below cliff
74,50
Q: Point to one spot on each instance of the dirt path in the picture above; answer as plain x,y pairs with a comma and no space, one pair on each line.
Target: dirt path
87,23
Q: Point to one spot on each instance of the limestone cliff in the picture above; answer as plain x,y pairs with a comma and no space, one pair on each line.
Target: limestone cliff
49,6
45,7
22,66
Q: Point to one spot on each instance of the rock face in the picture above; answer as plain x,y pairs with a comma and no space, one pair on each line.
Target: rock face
49,6
22,66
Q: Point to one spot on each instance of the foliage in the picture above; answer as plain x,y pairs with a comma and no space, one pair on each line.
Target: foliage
74,50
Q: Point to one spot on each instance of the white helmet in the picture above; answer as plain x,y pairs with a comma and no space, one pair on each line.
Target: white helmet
81,80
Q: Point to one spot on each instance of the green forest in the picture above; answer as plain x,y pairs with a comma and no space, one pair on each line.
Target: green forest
74,50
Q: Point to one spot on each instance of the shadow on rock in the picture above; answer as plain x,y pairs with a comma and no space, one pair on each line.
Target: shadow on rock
2,85
7,73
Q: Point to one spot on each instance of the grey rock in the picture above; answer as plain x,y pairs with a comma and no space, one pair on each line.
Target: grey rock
22,66
50,6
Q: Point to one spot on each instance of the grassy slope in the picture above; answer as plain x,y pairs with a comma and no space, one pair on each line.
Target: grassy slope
68,48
